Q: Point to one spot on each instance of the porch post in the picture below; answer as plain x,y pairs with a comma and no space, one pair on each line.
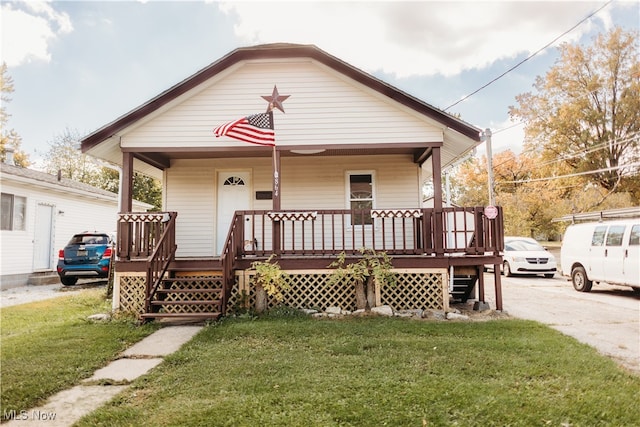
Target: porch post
276,178
276,201
436,166
126,205
438,232
126,197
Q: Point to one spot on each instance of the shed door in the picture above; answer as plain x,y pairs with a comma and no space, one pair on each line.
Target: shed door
234,194
43,237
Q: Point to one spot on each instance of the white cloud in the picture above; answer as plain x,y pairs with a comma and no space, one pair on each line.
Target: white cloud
414,38
28,29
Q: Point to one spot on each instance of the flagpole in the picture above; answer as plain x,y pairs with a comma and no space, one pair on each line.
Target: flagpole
276,179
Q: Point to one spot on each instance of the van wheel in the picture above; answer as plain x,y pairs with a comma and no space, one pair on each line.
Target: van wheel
580,281
507,269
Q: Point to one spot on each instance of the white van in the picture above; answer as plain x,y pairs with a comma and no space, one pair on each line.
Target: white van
602,252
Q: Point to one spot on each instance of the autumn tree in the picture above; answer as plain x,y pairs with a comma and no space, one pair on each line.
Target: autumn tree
584,117
529,205
64,157
9,137
145,188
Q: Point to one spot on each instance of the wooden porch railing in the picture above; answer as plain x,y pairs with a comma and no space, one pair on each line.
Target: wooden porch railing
149,236
230,253
464,230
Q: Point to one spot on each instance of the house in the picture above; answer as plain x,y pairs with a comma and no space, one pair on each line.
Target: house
40,213
351,153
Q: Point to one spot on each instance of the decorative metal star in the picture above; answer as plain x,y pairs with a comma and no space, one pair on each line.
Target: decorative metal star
275,100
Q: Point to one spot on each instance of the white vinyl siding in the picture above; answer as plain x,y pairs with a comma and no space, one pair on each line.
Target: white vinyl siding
323,108
190,192
307,183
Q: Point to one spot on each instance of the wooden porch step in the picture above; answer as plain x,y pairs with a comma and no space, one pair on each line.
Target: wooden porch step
462,287
211,315
189,302
189,291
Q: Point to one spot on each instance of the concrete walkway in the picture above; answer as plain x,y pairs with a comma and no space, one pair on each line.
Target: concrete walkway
67,407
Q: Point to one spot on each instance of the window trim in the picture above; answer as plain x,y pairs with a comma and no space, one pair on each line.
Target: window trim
12,213
348,198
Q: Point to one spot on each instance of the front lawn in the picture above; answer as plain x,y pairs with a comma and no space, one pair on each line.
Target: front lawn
50,345
297,371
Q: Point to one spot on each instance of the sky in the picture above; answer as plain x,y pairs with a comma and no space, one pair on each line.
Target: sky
79,65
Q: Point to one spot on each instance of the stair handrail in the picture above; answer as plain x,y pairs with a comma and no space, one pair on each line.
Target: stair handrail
231,250
158,263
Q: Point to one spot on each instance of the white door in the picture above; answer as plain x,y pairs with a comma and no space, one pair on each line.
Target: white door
597,253
632,258
43,240
234,194
613,269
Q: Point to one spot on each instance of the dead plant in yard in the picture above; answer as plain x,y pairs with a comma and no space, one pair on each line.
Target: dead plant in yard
269,280
371,268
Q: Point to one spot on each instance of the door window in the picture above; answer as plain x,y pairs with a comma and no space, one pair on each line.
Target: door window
598,235
614,236
634,238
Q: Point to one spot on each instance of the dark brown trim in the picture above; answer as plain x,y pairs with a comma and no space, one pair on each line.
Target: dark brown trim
422,156
269,52
436,165
126,198
157,160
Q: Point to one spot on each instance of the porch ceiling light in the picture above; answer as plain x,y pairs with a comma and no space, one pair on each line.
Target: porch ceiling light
316,151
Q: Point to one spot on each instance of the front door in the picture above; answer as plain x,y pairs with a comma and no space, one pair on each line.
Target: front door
43,240
234,194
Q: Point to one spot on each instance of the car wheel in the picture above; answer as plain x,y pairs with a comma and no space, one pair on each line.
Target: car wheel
580,281
507,269
549,276
68,281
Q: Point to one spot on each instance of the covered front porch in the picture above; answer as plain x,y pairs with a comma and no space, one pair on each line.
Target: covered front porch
437,254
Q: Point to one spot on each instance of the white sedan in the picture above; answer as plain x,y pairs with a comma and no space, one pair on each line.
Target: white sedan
523,255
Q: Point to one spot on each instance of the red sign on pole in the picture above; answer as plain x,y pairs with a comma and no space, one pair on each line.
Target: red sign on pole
491,212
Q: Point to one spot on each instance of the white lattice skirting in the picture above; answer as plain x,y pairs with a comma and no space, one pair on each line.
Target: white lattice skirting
414,289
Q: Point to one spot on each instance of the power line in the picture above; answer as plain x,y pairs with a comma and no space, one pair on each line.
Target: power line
530,56
549,178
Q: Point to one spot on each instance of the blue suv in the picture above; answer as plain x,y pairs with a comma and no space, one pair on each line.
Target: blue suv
87,254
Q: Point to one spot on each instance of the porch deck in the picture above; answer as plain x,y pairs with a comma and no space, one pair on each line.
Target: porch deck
460,240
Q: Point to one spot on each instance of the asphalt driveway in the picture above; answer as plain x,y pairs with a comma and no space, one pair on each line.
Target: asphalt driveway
607,318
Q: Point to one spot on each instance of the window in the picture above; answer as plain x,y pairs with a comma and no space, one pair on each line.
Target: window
361,197
614,236
634,239
598,235
233,181
13,212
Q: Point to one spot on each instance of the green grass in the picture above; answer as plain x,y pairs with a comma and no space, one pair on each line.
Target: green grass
50,345
294,371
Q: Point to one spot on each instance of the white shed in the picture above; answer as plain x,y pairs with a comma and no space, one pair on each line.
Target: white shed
40,213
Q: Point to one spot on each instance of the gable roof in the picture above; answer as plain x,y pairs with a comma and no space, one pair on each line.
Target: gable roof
45,180
18,173
277,51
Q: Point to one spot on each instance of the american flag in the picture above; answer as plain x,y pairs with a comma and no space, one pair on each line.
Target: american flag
256,129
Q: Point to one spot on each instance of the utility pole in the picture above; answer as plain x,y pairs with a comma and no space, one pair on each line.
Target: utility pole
487,139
